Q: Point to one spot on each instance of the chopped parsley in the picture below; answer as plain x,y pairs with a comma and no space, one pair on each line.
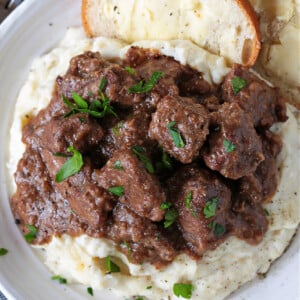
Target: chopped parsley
3,251
130,70
170,217
188,203
183,290
71,166
117,190
266,212
165,205
218,228
90,291
145,87
98,108
238,84
229,146
118,165
149,287
31,235
178,141
138,150
60,279
111,267
116,129
210,207
139,298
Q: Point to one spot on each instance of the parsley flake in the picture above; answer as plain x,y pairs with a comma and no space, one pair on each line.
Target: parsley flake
183,290
210,207
188,203
31,235
71,166
130,70
266,212
90,291
145,87
3,251
117,190
178,141
149,287
238,84
218,228
118,165
229,146
111,267
170,217
138,150
165,205
60,279
116,129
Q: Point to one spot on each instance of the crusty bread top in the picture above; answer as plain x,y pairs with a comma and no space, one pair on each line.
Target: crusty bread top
228,28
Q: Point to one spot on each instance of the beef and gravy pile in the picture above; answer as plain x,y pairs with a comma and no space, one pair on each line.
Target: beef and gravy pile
146,153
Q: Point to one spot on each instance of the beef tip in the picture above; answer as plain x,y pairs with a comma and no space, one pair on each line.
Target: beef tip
262,102
250,222
85,74
79,130
266,171
142,191
203,202
177,79
211,103
143,238
87,200
189,120
235,150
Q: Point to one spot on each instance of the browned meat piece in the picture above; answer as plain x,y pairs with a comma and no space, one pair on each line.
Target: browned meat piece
144,241
142,191
203,202
250,189
190,122
235,149
87,200
261,101
85,74
177,79
79,130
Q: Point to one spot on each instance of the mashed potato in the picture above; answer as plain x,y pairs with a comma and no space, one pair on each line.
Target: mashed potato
219,272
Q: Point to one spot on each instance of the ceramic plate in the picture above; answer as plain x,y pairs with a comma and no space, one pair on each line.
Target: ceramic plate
30,31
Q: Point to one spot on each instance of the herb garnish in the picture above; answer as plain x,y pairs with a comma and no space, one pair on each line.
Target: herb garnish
130,70
218,228
117,190
149,287
183,290
165,205
229,146
90,291
72,166
116,129
98,108
238,84
178,141
210,207
145,87
170,217
31,235
139,298
111,266
60,279
3,251
138,150
118,165
188,203
266,212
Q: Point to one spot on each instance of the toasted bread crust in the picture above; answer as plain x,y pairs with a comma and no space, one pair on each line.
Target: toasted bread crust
251,47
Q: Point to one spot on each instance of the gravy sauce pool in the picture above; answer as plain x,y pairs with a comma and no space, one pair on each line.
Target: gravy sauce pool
80,257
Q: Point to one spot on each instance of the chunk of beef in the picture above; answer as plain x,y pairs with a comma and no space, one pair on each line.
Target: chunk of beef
79,130
191,123
262,102
85,74
235,149
145,243
177,79
88,200
142,191
193,192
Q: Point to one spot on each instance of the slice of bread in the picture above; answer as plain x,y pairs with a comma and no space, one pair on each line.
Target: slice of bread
279,60
228,28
